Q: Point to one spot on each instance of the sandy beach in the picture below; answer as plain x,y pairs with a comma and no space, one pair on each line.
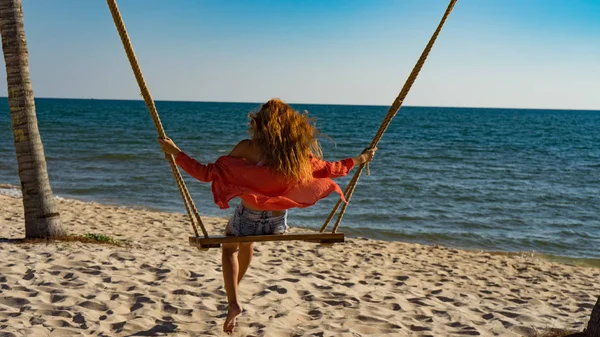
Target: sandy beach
158,285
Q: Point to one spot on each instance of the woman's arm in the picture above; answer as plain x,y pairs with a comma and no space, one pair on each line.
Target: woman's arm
187,163
365,157
326,169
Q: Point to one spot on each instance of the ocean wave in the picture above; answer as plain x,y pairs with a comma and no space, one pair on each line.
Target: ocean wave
115,157
10,190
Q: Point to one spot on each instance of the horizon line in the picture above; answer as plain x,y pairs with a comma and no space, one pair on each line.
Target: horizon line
308,103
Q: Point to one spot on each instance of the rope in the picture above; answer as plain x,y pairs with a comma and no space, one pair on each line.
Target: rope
393,110
191,209
337,205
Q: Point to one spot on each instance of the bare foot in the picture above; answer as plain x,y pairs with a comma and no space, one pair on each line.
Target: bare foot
234,311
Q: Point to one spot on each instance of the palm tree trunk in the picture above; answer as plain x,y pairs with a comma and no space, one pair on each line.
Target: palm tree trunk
41,217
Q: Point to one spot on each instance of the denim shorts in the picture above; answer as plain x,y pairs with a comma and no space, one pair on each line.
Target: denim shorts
245,222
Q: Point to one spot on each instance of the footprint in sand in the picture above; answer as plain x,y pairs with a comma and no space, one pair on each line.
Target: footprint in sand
424,318
195,276
508,314
118,327
177,311
275,262
315,314
185,292
338,303
70,277
54,313
517,300
57,323
93,305
257,325
370,319
299,273
306,295
419,301
54,298
157,271
262,293
419,328
369,298
278,289
468,332
402,278
37,320
281,314
139,302
291,280
445,299
441,313
325,287
30,274
348,284
93,270
79,319
33,293
15,302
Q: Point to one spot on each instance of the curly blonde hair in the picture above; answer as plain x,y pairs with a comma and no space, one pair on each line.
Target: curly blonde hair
287,138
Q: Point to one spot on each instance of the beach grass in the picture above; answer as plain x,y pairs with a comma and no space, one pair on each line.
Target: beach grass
85,238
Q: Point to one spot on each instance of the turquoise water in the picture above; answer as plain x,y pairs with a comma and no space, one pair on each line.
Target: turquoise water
493,179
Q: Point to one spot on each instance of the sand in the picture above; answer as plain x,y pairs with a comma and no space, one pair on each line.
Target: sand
160,286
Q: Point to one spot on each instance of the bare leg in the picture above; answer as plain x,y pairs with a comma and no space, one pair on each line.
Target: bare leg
244,258
230,277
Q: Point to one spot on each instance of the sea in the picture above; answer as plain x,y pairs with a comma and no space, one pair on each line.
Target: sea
508,180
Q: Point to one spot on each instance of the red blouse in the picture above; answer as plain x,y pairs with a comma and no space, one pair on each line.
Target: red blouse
261,188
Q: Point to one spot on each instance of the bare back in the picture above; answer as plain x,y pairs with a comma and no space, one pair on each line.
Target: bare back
248,151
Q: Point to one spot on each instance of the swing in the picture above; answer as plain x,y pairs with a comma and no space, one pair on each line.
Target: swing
205,241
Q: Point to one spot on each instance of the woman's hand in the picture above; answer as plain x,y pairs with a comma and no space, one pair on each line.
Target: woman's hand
168,146
365,157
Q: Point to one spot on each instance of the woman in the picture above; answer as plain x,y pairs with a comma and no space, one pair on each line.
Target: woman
278,168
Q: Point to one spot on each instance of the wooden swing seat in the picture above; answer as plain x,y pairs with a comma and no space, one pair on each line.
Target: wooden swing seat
216,241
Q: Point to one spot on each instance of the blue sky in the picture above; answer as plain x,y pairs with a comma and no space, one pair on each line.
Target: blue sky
491,53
